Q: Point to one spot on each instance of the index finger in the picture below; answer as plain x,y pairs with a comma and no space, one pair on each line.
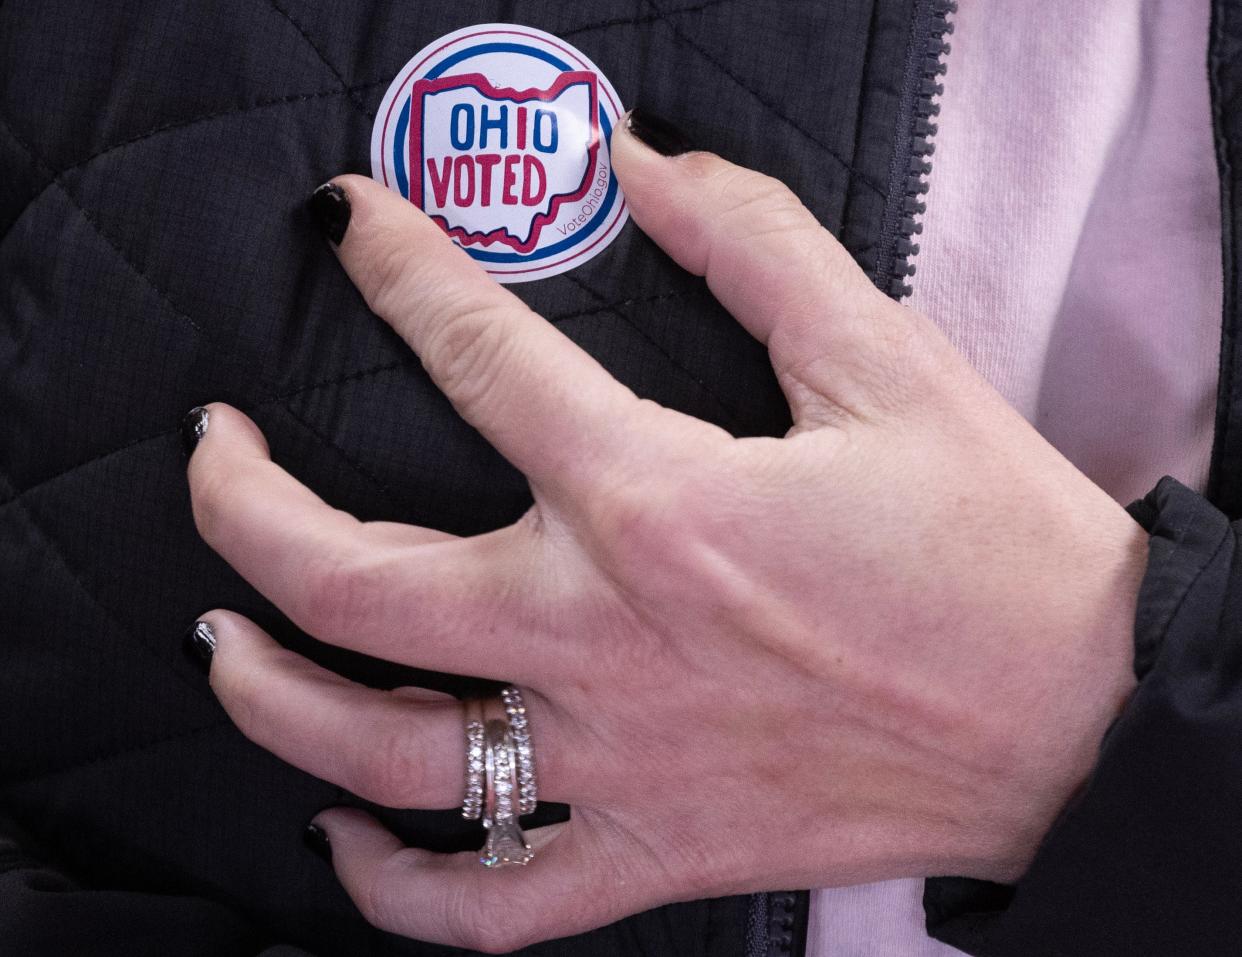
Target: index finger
543,402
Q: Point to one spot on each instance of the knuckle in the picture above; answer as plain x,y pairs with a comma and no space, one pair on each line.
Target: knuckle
637,519
900,360
241,693
390,262
339,593
467,354
764,232
650,526
394,771
491,940
378,905
215,494
485,922
383,895
755,204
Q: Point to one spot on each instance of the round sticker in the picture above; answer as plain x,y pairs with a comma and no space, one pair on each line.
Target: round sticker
500,134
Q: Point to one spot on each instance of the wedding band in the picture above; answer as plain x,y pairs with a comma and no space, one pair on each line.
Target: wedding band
500,774
472,802
519,727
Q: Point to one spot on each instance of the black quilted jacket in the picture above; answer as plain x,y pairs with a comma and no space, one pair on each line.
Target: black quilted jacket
154,254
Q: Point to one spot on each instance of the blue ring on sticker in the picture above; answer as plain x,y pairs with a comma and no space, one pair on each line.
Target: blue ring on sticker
561,191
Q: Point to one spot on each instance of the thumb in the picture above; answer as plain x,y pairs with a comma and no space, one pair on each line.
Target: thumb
831,335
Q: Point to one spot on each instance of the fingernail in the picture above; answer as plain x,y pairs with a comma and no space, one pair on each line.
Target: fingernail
316,838
200,645
657,132
193,428
329,208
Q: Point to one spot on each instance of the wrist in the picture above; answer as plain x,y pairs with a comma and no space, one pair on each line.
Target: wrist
1050,747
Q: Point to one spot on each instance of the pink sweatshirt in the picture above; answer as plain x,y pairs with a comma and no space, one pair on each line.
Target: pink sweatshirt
1071,250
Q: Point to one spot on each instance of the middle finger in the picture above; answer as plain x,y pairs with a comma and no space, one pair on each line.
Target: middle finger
399,592
542,401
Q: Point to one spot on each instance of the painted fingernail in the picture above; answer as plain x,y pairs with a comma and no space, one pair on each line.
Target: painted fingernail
200,645
316,838
657,132
193,428
329,208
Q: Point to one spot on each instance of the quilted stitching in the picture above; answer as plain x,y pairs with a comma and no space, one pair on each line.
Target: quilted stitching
351,90
115,753
640,19
376,482
730,414
173,126
772,108
663,320
108,241
311,387
49,543
346,87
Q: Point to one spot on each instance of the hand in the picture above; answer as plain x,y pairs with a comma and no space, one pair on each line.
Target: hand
885,645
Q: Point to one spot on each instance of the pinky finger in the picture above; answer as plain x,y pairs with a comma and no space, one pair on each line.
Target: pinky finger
452,899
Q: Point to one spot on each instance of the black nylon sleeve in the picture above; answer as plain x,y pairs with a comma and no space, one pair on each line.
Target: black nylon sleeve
46,913
1147,859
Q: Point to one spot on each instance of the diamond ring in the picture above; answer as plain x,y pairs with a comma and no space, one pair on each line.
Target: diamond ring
505,842
500,774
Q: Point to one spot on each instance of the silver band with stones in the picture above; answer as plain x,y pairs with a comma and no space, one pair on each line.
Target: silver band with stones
472,802
519,727
500,775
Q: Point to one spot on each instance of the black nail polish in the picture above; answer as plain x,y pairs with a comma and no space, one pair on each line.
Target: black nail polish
193,428
658,133
200,645
329,208
316,838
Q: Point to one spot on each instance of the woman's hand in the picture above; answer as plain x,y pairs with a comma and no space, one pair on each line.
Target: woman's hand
887,644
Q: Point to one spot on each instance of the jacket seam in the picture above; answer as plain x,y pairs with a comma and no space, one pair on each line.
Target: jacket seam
98,230
327,442
767,104
1227,386
172,126
113,754
724,407
641,20
54,549
345,84
324,384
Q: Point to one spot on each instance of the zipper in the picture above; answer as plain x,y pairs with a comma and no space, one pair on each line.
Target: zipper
777,922
916,125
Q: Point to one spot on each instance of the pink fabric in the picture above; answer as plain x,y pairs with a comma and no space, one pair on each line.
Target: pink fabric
1071,250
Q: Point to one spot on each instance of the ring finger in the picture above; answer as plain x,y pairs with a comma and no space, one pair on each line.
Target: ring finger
401,749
